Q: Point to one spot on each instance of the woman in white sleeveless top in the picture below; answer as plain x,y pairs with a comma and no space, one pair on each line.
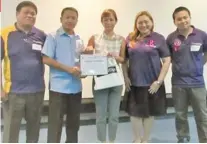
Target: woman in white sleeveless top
107,100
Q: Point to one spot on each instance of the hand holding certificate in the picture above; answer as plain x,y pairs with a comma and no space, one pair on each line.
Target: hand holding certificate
93,65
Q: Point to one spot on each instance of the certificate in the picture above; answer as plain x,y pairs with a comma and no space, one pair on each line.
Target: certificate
93,65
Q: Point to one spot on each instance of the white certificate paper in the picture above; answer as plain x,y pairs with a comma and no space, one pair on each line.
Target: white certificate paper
93,64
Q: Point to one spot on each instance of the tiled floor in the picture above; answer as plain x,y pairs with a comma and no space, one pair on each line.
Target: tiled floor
163,132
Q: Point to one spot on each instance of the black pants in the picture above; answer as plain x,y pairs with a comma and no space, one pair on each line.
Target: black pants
60,104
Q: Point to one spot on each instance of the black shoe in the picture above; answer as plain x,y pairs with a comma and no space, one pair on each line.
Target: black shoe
184,140
180,141
188,139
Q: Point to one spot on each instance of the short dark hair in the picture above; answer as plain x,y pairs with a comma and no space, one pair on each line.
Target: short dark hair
69,8
179,9
26,4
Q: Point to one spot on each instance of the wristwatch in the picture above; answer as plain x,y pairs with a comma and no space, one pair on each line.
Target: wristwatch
158,82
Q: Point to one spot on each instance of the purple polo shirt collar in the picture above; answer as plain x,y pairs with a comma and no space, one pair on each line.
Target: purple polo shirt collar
193,32
33,31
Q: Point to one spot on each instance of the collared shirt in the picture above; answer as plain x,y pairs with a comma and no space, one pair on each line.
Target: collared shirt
106,44
23,67
61,47
144,59
111,44
187,58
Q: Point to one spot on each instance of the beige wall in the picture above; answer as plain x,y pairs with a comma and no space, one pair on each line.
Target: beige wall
89,19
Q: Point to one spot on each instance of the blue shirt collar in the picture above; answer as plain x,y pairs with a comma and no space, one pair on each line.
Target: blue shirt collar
61,31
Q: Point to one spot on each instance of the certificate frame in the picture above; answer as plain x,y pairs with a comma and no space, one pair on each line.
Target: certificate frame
93,64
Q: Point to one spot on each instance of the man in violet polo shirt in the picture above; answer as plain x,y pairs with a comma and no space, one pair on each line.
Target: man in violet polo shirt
24,88
188,46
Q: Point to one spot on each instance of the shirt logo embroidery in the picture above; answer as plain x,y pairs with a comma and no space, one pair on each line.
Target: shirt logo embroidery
151,43
176,44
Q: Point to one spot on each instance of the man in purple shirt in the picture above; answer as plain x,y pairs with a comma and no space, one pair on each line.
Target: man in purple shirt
188,47
24,87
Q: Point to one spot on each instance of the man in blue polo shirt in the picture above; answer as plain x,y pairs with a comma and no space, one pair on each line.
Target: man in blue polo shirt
188,46
65,84
23,90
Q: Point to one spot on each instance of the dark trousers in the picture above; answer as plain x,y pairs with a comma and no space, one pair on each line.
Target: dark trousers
60,104
18,106
197,98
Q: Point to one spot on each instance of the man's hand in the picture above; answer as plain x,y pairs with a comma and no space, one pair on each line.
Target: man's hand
4,96
83,76
75,71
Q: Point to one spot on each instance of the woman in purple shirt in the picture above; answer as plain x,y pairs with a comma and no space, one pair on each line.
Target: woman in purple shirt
144,73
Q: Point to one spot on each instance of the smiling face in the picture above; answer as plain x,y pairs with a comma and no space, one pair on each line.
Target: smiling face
144,24
182,20
109,22
26,16
69,19
108,19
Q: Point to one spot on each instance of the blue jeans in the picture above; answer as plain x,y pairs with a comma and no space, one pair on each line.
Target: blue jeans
107,103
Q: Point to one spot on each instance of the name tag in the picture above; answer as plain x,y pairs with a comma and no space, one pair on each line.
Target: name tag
195,47
36,47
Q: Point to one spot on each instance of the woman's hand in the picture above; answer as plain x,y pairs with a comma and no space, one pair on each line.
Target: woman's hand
88,50
154,87
127,84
